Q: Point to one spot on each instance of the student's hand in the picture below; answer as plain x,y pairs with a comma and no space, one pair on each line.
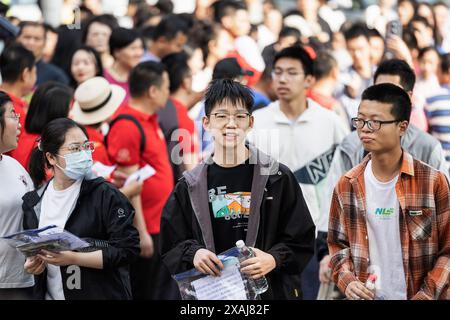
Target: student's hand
398,47
146,244
207,262
34,265
357,291
134,188
260,265
63,258
325,270
119,178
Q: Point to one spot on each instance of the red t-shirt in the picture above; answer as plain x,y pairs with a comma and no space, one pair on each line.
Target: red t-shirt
124,149
187,138
325,101
100,154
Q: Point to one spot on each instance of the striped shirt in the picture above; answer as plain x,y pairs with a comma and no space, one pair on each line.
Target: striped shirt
424,203
438,113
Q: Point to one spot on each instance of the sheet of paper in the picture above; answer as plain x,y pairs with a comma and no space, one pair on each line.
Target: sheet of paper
102,170
229,286
141,175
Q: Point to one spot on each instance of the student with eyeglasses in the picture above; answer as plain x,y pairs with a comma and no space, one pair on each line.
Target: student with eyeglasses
15,283
390,215
89,208
237,193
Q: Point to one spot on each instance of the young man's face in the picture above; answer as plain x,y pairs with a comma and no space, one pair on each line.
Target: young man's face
228,124
33,38
359,50
174,45
429,64
239,24
387,137
289,79
161,94
376,50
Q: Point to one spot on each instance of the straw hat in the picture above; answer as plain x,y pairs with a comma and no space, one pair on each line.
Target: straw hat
96,100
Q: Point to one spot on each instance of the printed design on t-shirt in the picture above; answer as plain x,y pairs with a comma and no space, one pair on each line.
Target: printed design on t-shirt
231,205
317,169
384,213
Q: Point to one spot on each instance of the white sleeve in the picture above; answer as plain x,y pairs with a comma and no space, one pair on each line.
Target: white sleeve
249,50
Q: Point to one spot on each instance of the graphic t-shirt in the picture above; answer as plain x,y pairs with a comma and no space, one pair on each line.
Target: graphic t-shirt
383,231
229,191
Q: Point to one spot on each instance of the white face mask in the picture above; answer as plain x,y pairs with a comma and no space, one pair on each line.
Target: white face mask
78,164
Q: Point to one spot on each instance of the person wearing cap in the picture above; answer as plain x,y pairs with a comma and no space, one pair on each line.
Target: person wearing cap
95,102
301,134
138,142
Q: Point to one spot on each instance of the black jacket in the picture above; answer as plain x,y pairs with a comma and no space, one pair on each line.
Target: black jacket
279,224
101,213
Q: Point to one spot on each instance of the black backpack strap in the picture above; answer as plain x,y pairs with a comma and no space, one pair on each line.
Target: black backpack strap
136,122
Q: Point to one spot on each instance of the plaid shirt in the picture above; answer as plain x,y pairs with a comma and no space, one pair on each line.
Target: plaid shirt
425,237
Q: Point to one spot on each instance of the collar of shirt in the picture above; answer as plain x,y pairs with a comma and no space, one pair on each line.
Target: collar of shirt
139,114
407,166
306,116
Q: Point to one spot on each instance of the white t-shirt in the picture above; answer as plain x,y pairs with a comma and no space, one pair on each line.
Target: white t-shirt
56,207
14,183
383,231
305,145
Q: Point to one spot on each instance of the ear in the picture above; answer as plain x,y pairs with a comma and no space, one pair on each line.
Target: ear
51,158
309,81
206,124
251,123
152,91
187,83
25,74
403,127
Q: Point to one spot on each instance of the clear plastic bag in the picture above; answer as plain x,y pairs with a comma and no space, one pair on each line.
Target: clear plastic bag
231,285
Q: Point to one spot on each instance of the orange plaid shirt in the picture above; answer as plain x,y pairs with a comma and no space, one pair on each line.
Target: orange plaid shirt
425,237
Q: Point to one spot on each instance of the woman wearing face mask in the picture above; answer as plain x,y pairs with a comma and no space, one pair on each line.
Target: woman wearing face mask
91,209
15,283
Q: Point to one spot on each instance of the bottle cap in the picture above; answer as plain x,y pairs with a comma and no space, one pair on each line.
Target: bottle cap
240,244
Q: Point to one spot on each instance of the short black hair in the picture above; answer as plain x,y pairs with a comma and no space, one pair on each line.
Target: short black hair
14,60
145,75
170,26
392,94
297,52
324,64
51,100
178,69
425,50
224,8
33,24
420,19
374,33
227,90
121,38
397,67
445,63
106,19
356,30
290,32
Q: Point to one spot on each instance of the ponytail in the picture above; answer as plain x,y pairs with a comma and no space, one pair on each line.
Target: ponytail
37,166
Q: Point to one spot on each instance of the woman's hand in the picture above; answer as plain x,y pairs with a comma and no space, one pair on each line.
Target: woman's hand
34,265
258,266
63,258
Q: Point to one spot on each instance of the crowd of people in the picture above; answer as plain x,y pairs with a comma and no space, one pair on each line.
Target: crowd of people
322,142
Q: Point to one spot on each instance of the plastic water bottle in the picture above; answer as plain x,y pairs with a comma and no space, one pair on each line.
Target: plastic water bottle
370,284
260,285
